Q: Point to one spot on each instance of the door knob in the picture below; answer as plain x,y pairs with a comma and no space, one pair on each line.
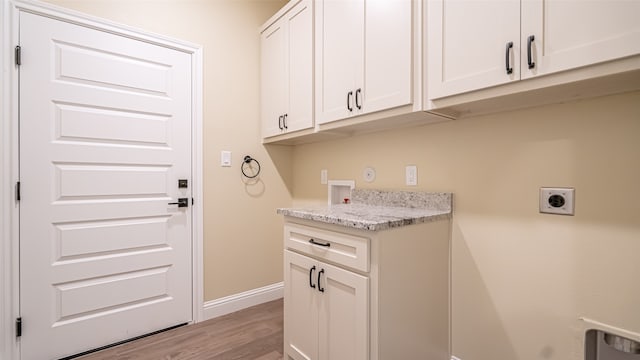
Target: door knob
182,202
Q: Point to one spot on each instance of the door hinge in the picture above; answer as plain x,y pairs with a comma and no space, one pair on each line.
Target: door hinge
18,55
19,327
18,191
192,201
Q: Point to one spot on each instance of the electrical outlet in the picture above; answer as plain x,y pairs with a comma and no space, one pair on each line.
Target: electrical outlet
411,175
558,201
323,177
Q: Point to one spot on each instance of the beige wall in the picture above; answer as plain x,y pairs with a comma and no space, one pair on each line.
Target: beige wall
242,233
521,279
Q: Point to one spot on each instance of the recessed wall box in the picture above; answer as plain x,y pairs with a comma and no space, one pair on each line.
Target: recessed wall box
340,191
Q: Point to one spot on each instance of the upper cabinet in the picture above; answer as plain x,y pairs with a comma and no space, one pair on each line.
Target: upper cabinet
479,44
332,68
363,57
287,70
469,41
563,35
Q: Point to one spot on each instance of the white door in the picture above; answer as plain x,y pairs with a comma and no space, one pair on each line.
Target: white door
300,306
273,79
300,67
344,314
468,45
339,58
388,56
104,138
571,34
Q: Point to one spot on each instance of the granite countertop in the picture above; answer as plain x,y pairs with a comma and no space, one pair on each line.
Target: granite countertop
376,210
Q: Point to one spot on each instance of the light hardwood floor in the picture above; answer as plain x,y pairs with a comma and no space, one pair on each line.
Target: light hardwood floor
253,334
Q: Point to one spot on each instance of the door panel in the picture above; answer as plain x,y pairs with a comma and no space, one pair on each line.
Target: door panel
90,123
301,315
467,43
90,296
93,238
105,134
273,72
387,79
598,31
75,181
83,65
344,315
300,69
340,55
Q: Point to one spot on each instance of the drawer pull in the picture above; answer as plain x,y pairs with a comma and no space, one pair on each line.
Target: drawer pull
319,244
320,288
311,284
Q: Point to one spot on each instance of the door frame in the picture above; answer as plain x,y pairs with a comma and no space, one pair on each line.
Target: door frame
9,154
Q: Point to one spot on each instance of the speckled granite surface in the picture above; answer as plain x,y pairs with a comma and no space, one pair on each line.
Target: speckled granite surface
406,199
376,210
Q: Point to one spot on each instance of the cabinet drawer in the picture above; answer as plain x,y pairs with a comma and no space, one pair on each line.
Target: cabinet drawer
342,249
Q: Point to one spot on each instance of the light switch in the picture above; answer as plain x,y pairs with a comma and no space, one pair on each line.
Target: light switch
225,158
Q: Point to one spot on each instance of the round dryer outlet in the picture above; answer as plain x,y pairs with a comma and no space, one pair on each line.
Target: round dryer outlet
557,201
369,174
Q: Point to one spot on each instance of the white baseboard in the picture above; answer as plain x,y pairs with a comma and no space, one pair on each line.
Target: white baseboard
235,302
454,358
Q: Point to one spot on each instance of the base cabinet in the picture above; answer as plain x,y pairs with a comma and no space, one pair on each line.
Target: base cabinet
328,309
359,295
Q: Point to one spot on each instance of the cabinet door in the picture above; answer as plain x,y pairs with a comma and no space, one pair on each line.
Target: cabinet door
467,45
300,306
339,57
344,314
569,34
273,82
388,55
300,59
